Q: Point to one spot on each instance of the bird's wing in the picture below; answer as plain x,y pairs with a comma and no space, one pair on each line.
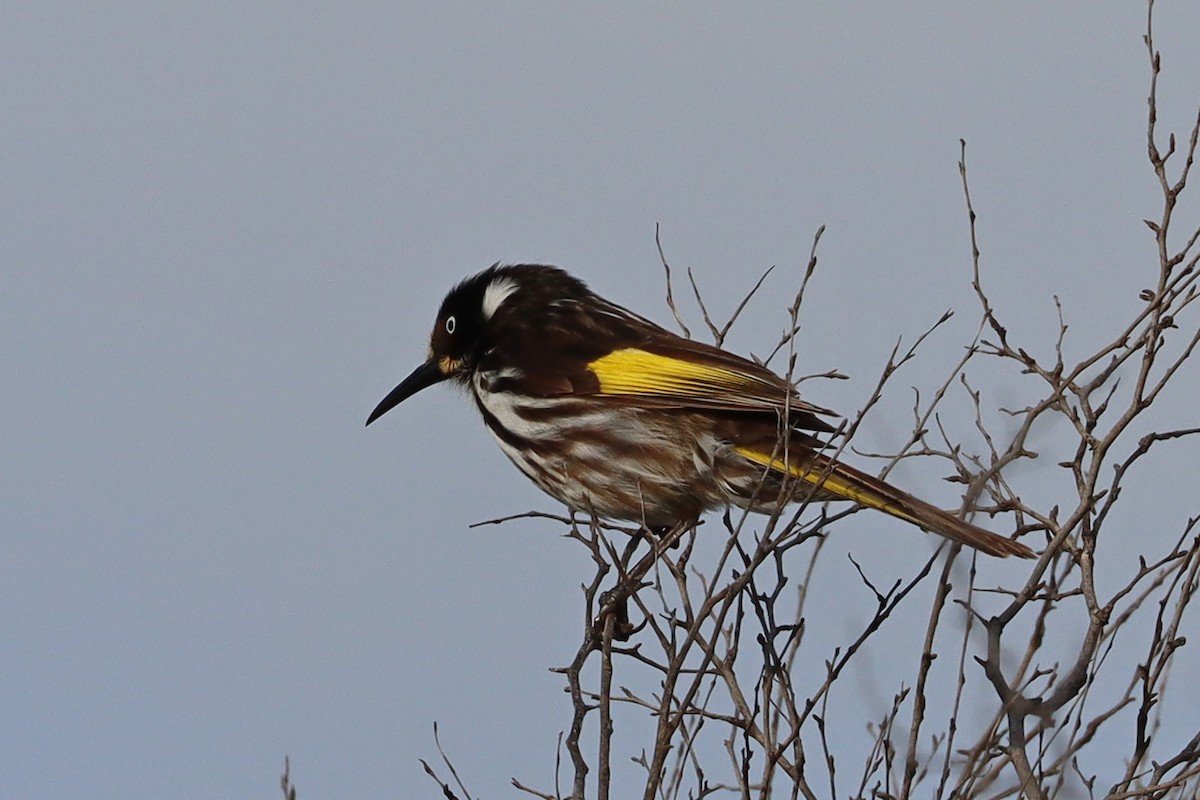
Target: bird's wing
599,350
679,373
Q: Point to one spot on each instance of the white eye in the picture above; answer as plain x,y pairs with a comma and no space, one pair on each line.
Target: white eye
450,324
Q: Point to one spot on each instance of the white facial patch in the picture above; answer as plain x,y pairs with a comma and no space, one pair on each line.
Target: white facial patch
496,293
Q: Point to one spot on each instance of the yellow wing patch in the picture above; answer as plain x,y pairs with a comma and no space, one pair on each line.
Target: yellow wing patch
637,372
830,481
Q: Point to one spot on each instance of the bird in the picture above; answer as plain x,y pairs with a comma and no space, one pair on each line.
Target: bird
617,417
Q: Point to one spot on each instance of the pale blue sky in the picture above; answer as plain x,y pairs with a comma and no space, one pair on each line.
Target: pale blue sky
224,232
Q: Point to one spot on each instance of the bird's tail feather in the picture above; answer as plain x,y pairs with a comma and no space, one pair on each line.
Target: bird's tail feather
847,483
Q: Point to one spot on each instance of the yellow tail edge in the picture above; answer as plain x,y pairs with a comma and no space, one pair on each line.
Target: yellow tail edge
840,480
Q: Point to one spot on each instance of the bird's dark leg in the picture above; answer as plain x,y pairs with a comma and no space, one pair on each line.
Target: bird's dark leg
616,604
661,533
616,600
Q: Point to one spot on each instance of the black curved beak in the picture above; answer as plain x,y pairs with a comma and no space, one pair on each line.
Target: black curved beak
422,377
